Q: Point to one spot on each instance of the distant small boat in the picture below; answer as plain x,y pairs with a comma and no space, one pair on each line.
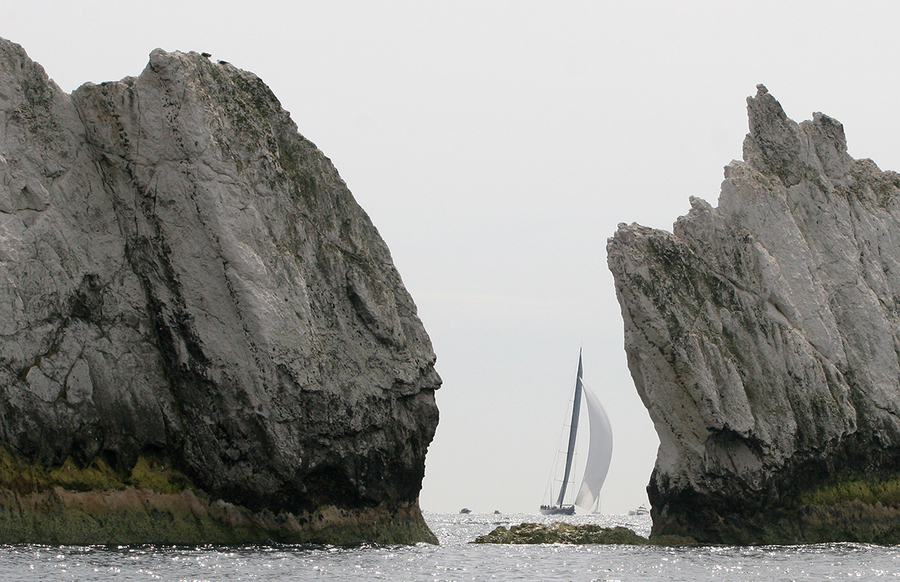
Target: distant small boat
465,510
496,512
599,453
642,510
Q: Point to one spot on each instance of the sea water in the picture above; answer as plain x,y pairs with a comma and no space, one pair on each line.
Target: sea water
455,559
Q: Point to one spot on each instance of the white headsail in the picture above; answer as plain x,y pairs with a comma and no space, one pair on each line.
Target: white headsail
599,452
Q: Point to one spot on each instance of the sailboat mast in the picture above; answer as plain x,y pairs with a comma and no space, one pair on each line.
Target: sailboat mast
573,429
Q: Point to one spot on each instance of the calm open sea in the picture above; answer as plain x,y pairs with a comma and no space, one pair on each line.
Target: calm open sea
455,559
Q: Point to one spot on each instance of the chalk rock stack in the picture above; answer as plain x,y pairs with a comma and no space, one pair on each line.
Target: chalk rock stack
763,337
202,335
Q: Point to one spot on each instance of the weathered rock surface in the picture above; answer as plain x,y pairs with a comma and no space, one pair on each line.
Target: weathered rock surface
763,337
188,286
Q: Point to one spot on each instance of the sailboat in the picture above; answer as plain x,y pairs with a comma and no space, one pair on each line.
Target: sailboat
599,452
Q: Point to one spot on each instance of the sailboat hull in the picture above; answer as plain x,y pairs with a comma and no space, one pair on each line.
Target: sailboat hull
557,510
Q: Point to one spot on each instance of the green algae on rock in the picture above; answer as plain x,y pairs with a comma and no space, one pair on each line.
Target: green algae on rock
198,323
140,516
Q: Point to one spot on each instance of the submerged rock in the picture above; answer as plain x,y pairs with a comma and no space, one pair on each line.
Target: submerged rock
763,337
561,532
198,324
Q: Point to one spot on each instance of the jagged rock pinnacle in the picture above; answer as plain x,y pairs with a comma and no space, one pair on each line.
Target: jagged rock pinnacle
762,336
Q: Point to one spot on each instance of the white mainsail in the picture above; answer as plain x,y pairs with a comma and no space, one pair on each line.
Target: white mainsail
599,451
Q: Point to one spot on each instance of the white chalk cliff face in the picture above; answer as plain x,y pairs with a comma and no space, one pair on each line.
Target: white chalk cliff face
184,278
763,338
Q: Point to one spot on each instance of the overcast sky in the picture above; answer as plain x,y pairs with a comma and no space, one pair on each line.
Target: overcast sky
496,146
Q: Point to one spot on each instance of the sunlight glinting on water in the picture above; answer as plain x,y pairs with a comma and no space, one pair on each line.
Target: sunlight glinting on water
455,559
